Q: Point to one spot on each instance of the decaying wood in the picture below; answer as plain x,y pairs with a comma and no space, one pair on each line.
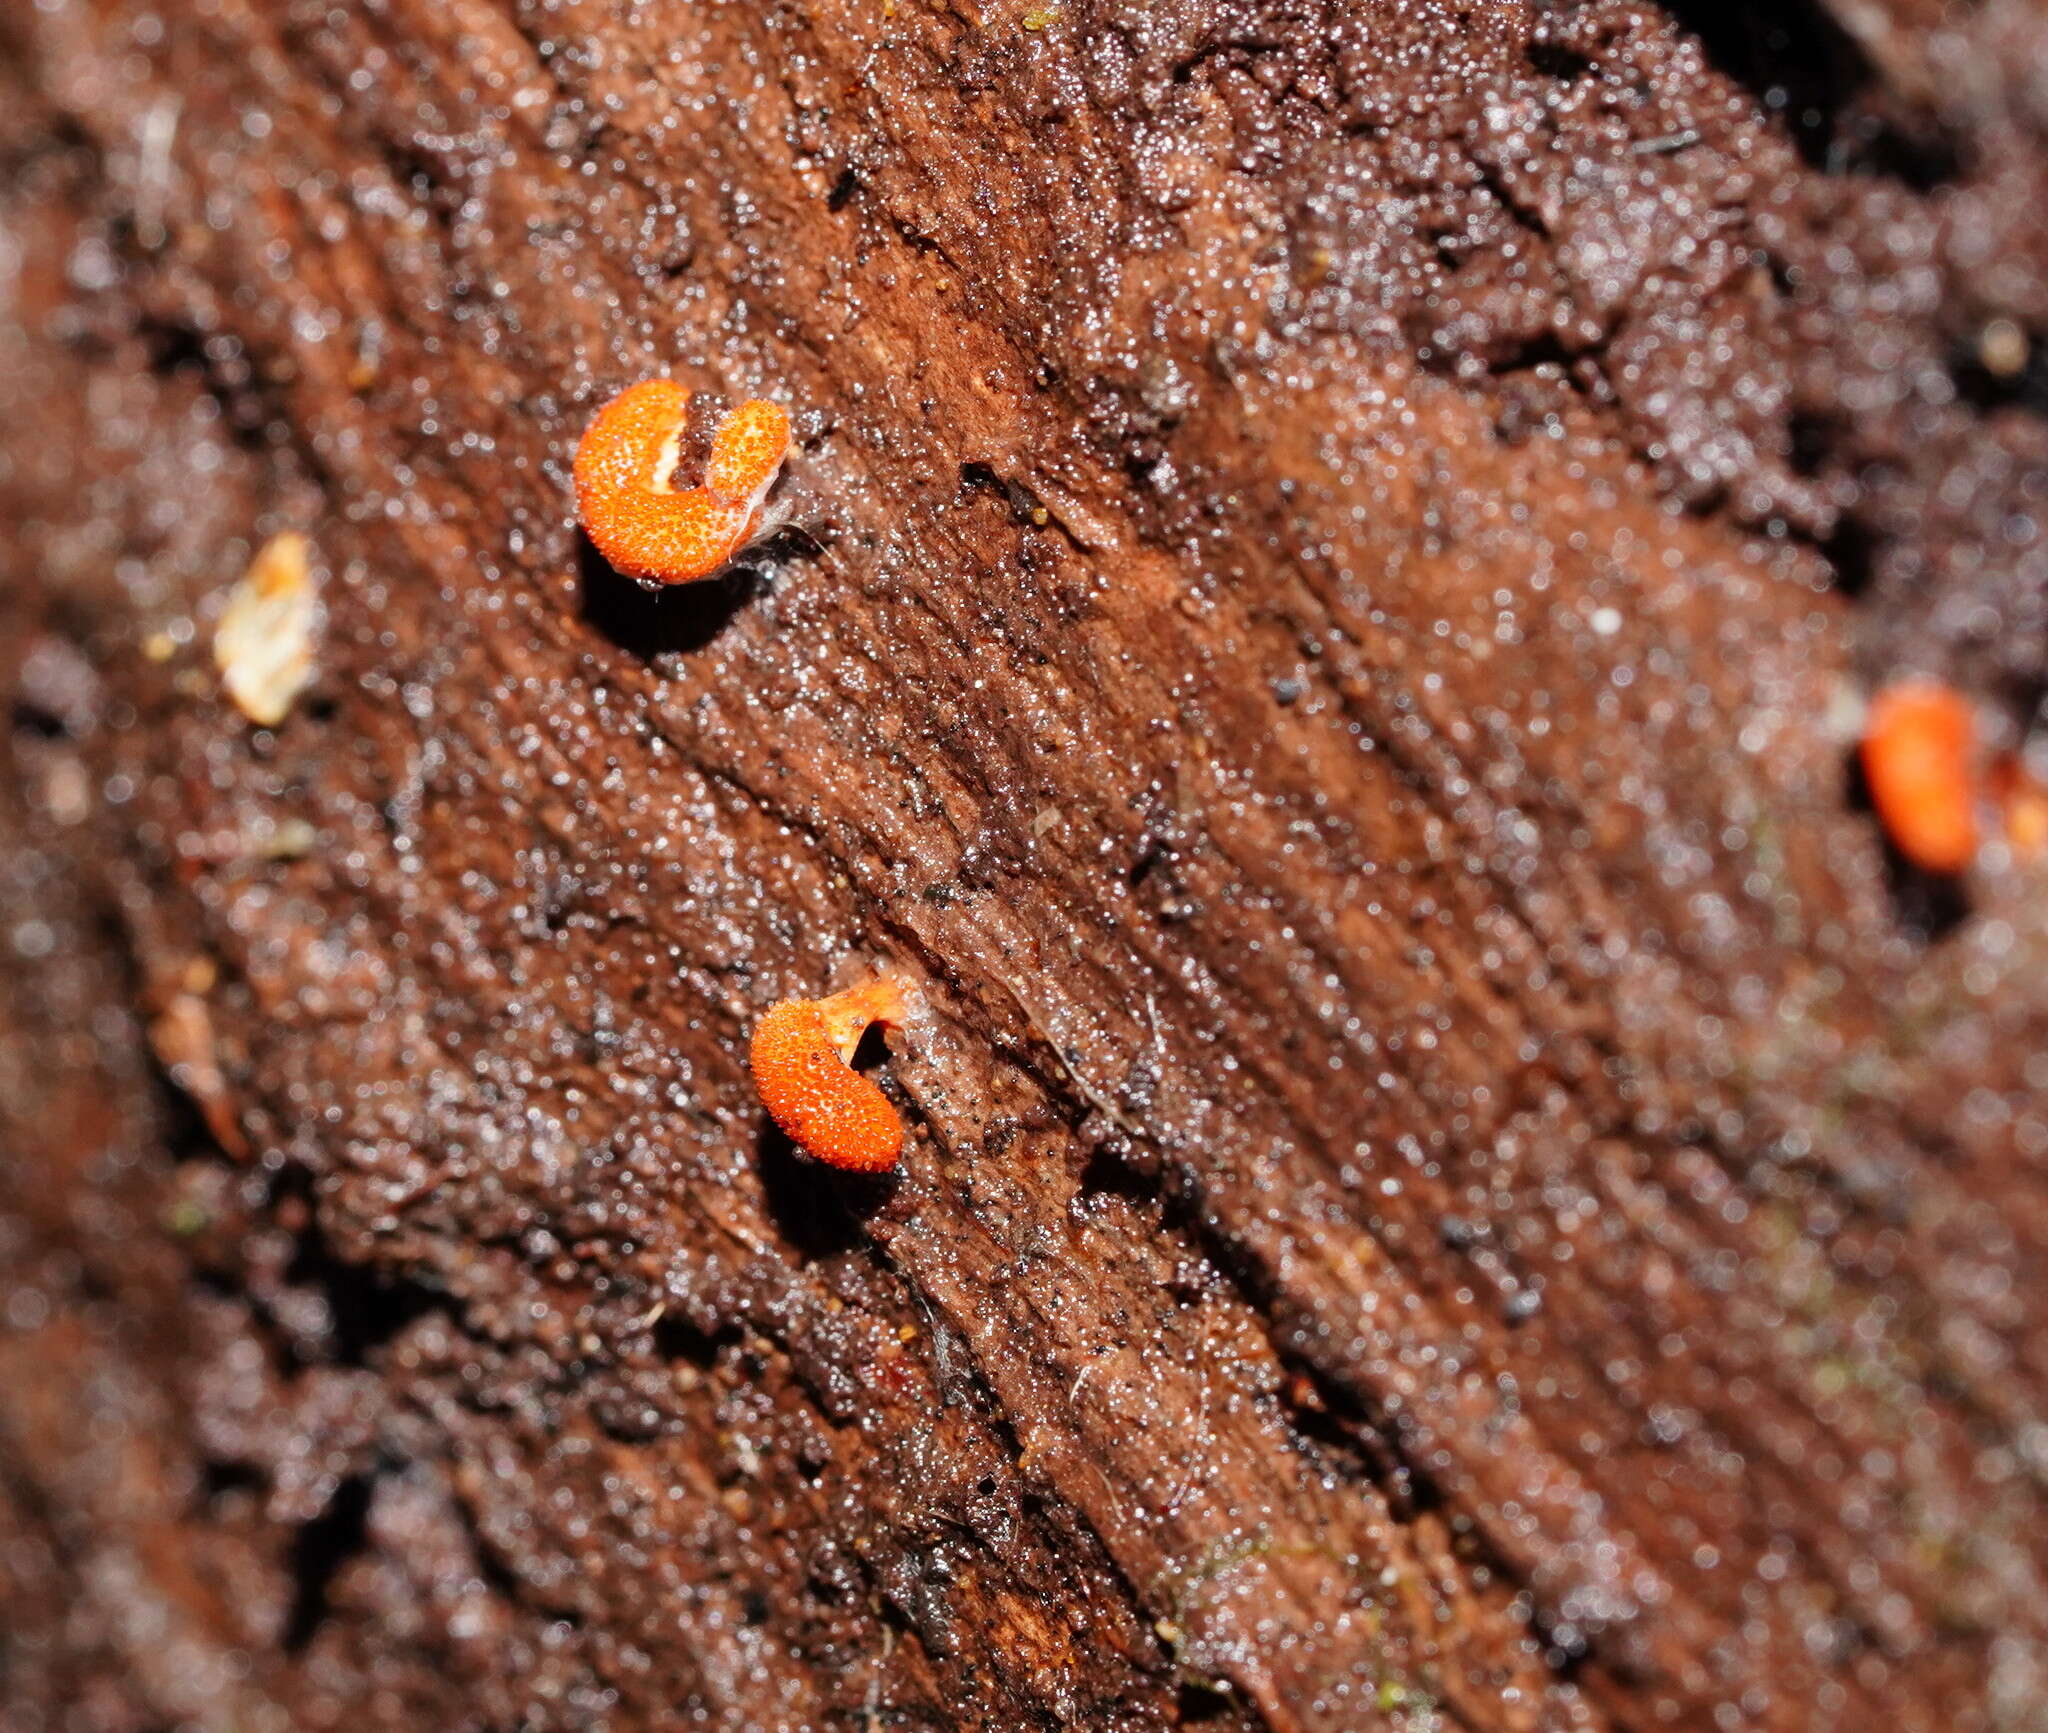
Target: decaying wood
1450,1181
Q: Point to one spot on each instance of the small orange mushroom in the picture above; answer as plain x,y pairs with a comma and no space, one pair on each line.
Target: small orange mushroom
631,508
800,1055
1919,756
2023,805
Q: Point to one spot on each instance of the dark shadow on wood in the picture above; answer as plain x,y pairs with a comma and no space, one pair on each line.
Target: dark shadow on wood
819,1210
1930,905
319,1552
652,621
1817,81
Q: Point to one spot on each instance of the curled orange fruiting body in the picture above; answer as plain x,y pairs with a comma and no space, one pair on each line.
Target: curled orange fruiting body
639,520
2023,805
1919,756
799,1056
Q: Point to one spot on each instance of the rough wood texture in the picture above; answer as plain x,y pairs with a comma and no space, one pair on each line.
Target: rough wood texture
1451,1184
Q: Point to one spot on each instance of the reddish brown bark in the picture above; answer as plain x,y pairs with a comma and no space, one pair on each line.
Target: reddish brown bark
1450,1181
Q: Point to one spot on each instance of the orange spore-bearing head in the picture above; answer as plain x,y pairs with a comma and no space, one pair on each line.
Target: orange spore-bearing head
799,1057
630,507
1920,759
2023,806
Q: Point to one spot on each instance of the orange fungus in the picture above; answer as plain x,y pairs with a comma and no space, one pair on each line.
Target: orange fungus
631,508
1919,756
2023,804
799,1055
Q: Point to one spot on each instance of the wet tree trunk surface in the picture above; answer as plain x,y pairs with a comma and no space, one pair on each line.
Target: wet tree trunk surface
1451,1183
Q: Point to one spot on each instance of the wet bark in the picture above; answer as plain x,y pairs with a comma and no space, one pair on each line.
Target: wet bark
1451,1182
